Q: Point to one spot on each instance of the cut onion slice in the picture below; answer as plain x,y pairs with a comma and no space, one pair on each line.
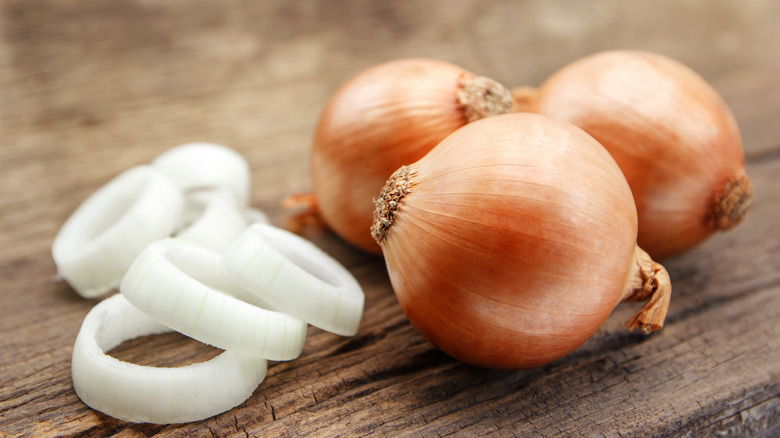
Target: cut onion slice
99,241
183,286
151,394
296,277
256,216
195,166
218,219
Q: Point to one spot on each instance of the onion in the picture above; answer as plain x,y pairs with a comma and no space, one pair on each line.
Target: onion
213,219
195,166
670,132
296,277
386,116
120,236
183,286
151,394
510,243
99,241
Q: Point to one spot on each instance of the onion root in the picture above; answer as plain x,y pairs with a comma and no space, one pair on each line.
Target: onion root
386,206
648,281
732,203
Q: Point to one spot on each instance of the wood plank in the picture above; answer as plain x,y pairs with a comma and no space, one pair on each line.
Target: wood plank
89,89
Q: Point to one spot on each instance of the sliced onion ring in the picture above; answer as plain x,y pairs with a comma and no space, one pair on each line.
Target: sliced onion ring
296,277
195,166
255,216
183,286
151,394
219,219
99,241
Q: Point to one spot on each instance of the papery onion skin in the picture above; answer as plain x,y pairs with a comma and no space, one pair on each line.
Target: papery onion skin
510,243
670,132
386,116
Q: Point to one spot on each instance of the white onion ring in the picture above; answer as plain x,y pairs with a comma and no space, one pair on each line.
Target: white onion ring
219,220
99,241
255,216
296,277
151,394
183,286
195,166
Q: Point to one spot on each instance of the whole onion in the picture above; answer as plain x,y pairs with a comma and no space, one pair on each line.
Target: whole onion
670,132
510,243
386,116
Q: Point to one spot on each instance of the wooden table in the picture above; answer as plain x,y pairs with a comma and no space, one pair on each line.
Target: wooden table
90,88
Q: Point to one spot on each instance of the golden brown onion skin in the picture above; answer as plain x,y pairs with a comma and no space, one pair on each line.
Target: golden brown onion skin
386,116
514,241
670,132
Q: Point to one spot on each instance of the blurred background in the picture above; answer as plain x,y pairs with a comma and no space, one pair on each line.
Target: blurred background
90,81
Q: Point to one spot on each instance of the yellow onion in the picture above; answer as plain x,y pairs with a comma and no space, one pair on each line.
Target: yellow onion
669,131
386,116
510,243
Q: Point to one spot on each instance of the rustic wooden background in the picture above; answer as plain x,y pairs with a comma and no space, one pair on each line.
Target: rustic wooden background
89,88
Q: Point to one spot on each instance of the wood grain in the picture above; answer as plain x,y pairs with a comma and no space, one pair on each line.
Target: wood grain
90,88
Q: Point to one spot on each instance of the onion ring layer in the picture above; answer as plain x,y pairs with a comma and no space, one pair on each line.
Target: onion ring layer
296,277
102,237
183,286
152,394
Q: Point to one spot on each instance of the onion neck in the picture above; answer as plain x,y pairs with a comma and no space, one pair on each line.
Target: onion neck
480,97
524,98
395,189
731,203
648,281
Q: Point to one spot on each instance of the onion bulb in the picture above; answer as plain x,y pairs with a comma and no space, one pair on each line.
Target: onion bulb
510,243
389,115
670,132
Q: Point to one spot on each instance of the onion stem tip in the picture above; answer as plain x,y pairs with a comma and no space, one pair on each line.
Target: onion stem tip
482,97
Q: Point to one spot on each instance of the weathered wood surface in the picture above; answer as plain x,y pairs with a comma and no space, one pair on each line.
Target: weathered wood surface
90,88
